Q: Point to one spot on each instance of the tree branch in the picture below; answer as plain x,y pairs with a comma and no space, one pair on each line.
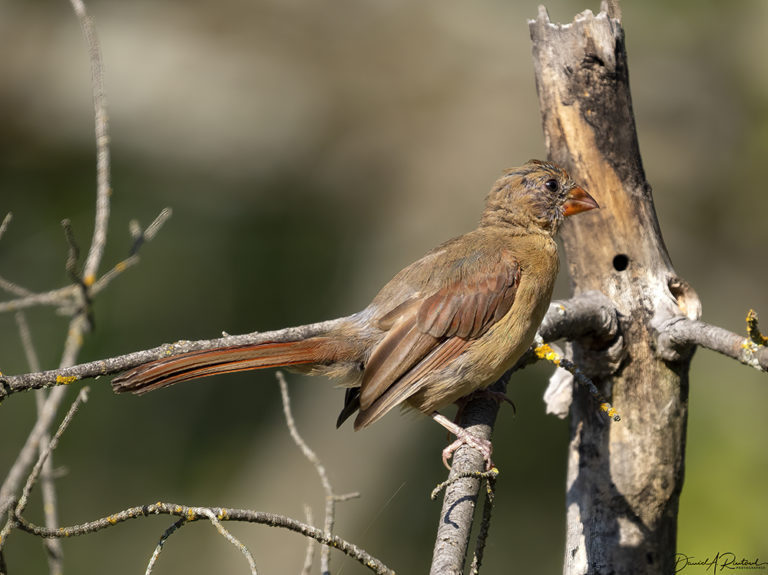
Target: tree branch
10,384
204,513
678,334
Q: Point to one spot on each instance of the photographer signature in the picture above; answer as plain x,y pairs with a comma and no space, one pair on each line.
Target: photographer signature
719,562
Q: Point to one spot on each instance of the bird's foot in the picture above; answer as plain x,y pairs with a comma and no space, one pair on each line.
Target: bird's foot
466,438
463,437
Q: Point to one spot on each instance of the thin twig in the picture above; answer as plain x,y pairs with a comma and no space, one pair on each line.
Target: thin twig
55,297
231,538
159,547
309,555
112,273
491,473
53,547
101,126
545,351
140,237
678,333
330,497
81,398
14,288
26,342
27,454
73,252
21,504
485,523
6,221
222,514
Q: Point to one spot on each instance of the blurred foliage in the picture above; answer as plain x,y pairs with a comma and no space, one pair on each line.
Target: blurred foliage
309,150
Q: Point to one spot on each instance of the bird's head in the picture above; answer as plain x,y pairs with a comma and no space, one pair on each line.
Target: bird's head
536,197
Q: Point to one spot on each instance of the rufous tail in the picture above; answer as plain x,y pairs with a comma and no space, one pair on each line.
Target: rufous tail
167,371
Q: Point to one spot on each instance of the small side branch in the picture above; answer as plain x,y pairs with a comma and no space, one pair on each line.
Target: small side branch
330,496
678,334
101,126
590,314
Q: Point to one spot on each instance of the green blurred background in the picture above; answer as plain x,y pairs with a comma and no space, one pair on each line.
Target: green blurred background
309,150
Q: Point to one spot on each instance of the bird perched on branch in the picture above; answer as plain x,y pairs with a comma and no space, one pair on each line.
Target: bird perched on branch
447,325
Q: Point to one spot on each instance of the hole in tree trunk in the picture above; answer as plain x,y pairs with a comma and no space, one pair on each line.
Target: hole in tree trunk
620,262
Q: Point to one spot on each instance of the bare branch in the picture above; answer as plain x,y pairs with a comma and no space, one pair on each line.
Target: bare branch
26,342
309,554
71,296
81,398
4,226
544,351
159,547
221,514
116,270
13,288
677,334
139,236
47,487
56,297
103,189
35,473
590,314
231,538
452,540
330,497
485,524
14,383
26,456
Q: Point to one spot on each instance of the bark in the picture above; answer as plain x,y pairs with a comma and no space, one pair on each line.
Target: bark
624,479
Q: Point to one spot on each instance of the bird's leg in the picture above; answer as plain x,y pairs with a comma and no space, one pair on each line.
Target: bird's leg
463,437
498,396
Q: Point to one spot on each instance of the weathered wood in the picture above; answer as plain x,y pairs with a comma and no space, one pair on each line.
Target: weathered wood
624,479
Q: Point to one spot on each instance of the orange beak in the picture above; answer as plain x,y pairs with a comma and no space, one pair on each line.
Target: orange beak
579,201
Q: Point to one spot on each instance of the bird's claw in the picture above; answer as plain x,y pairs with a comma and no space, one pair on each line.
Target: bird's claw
465,438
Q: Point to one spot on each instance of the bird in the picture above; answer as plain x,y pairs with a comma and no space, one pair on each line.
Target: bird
447,325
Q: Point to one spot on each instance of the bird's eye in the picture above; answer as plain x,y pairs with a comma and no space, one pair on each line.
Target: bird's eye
552,185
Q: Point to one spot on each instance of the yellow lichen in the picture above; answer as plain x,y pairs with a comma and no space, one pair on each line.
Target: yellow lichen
545,351
65,379
609,409
88,280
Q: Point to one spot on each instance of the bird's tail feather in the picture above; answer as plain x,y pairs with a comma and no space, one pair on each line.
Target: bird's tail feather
167,371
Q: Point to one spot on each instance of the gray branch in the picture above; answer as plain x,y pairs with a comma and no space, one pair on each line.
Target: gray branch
678,334
10,384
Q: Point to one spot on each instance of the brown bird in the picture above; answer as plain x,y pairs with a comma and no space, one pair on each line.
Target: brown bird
447,325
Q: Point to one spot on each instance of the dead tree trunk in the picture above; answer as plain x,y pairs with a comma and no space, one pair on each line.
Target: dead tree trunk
624,480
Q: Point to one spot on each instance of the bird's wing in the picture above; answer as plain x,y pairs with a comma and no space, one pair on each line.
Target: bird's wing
427,332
